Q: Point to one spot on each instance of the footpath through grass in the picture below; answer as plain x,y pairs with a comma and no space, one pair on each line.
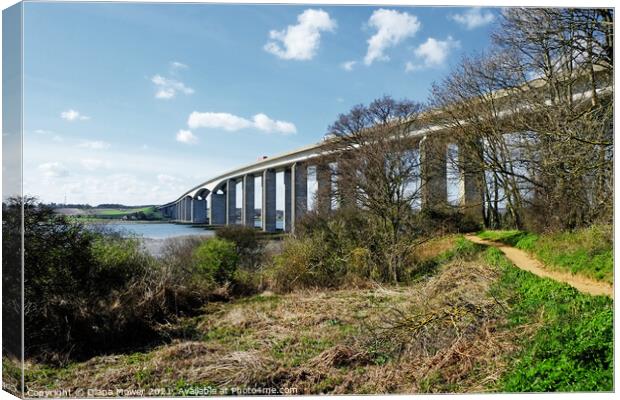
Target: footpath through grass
587,252
573,348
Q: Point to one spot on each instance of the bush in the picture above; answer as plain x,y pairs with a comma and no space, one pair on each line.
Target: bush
247,242
306,262
217,259
348,245
445,221
88,292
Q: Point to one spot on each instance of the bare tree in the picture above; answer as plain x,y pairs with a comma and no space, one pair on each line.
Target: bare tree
541,103
377,165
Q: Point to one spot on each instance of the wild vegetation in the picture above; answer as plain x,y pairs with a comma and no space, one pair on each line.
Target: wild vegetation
585,251
372,296
473,324
533,115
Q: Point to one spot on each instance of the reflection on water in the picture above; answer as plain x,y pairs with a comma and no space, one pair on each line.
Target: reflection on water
163,230
157,231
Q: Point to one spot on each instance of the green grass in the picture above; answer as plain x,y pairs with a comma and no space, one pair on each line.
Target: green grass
573,349
588,251
121,212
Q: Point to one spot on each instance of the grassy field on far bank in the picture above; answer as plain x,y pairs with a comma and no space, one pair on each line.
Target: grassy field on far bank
102,214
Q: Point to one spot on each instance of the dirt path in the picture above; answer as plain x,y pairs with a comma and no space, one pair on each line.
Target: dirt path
523,260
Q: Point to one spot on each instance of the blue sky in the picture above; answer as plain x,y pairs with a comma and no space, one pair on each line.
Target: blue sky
136,103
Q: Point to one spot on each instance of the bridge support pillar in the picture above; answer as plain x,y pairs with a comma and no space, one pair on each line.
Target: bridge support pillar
268,213
433,159
182,208
288,204
231,202
324,189
188,209
471,183
299,192
247,206
199,211
217,211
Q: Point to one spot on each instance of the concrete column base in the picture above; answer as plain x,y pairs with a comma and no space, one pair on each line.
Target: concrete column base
269,214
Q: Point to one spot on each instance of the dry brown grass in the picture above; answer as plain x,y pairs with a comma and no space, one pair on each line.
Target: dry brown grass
434,247
438,335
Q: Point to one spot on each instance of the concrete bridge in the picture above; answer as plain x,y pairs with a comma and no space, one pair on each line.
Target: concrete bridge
214,201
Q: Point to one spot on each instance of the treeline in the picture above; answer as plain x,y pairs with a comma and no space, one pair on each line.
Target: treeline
534,115
531,118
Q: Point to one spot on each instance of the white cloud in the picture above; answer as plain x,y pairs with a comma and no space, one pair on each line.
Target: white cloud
473,18
166,179
392,28
178,65
301,41
53,170
348,65
93,164
111,184
432,53
94,144
73,115
185,136
168,88
231,122
266,124
226,121
43,132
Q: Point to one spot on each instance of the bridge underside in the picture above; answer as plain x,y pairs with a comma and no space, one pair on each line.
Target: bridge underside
220,207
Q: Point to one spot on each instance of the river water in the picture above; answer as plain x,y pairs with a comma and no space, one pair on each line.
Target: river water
156,236
163,230
157,230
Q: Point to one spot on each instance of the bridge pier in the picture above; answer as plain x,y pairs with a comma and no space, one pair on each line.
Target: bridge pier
324,189
471,181
188,209
199,211
288,204
231,202
217,211
269,213
433,158
299,192
247,204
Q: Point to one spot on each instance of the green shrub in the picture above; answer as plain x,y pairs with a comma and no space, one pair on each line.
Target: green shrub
90,292
247,242
343,232
573,350
306,262
118,260
360,263
446,221
217,259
